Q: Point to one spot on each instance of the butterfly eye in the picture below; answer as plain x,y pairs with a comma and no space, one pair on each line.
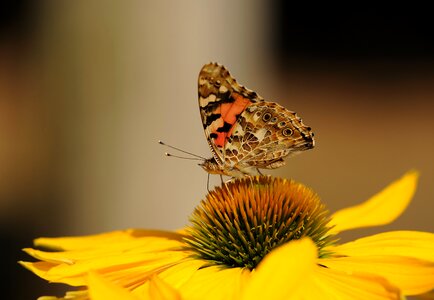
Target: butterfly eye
287,132
266,117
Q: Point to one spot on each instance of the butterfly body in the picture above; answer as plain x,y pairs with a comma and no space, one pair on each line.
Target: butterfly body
211,166
245,132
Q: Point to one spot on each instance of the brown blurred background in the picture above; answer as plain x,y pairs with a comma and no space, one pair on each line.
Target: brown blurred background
88,87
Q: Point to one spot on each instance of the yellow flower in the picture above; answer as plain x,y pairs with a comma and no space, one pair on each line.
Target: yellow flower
253,238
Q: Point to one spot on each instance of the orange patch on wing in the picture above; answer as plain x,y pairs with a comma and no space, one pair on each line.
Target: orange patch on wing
229,113
221,139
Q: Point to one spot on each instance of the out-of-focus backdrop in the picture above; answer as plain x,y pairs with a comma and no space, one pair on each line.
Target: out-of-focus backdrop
87,88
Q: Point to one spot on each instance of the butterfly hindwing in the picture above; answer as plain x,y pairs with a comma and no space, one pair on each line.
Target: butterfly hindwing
265,133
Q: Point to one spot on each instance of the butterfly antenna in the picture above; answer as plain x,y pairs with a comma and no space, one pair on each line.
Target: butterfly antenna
183,151
183,157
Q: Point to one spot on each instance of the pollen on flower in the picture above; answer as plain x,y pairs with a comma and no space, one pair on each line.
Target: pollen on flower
242,221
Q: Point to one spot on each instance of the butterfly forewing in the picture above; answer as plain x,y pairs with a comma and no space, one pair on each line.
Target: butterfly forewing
221,101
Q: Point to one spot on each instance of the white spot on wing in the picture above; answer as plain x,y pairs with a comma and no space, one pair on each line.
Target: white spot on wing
205,101
223,89
260,134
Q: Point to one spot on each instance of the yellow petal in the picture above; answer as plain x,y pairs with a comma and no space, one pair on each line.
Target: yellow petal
140,249
134,252
330,284
381,209
40,268
283,272
101,289
70,295
177,275
119,266
412,276
45,271
414,244
160,290
214,283
98,240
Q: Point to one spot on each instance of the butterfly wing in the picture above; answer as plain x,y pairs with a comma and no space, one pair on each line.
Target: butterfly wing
221,101
244,131
264,134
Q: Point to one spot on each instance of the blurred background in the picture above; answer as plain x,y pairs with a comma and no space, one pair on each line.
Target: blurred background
87,88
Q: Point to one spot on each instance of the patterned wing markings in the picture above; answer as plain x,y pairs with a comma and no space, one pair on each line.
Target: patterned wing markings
221,101
222,127
244,131
265,133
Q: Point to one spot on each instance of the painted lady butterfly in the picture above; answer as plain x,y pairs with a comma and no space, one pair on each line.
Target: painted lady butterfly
245,132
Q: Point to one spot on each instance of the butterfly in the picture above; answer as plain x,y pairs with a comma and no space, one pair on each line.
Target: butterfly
245,133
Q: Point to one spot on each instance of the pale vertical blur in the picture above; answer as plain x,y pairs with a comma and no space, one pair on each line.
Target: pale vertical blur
81,116
125,76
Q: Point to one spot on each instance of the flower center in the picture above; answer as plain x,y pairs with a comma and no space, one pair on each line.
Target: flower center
242,221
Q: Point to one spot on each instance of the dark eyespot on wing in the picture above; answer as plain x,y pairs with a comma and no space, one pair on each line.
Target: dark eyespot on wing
213,135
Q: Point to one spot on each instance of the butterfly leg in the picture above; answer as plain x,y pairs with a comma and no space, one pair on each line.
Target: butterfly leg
221,178
259,171
207,183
